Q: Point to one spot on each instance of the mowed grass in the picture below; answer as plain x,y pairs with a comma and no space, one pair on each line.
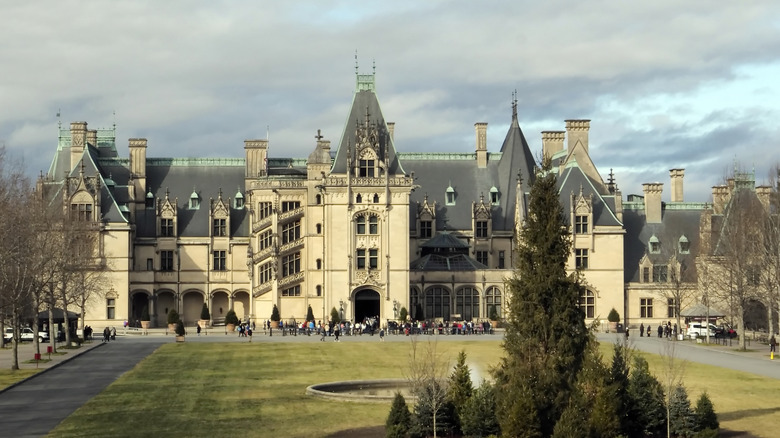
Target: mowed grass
258,390
9,377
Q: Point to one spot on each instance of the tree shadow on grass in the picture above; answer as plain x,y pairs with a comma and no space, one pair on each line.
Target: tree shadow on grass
727,433
736,415
362,432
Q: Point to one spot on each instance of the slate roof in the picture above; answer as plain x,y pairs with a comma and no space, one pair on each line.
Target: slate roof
574,180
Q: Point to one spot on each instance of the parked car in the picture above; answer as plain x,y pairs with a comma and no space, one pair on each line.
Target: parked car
699,330
26,334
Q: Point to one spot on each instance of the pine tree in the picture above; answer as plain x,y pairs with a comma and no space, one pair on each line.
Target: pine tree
460,388
618,381
648,405
432,410
478,415
309,314
682,421
705,414
399,418
545,330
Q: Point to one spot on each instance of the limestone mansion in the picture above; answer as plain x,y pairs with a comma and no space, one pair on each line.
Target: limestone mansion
360,228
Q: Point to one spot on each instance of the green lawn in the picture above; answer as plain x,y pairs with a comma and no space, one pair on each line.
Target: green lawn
258,390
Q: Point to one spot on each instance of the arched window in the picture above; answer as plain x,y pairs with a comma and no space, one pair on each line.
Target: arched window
493,303
358,198
437,303
467,303
376,198
588,303
318,199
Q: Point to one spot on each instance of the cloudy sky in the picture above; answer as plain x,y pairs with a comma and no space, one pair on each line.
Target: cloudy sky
666,84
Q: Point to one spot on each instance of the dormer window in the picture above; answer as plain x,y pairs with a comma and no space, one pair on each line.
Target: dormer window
194,201
238,202
366,168
581,224
149,199
449,196
685,245
81,212
494,195
655,245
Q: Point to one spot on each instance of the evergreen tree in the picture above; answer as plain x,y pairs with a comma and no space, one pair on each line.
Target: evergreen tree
423,419
399,419
334,316
648,405
460,388
204,312
478,415
705,414
545,330
309,314
682,421
618,381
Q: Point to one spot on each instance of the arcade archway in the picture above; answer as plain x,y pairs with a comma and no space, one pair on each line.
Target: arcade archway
366,304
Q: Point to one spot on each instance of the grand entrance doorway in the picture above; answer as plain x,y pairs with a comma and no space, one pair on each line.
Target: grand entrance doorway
366,304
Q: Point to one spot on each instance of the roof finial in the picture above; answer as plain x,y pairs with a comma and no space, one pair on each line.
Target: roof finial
356,63
514,104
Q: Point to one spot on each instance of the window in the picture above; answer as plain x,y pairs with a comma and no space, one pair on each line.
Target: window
373,225
588,303
449,197
501,259
81,212
359,198
376,198
166,260
581,258
360,259
581,224
645,275
294,291
110,308
685,245
646,308
660,273
373,259
219,261
265,239
437,303
482,257
265,273
467,303
239,201
671,308
318,199
482,229
360,225
194,201
290,205
291,264
264,209
494,195
319,263
319,228
493,302
319,290
166,228
220,229
150,264
366,168
291,231
753,275
655,245
426,229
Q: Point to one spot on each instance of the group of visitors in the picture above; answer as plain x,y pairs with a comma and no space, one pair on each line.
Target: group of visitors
664,330
109,334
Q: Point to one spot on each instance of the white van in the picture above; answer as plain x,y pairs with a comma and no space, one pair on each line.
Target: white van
697,329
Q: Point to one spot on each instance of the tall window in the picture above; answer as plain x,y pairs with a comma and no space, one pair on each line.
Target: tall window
482,229
360,225
493,302
645,275
290,205
501,259
437,303
671,308
319,263
414,299
166,228
482,257
166,260
220,229
110,308
660,273
150,264
265,239
366,168
291,231
645,307
319,290
291,264
581,224
373,225
265,273
467,303
581,258
219,261
655,245
360,259
81,212
588,303
373,259
294,291
264,209
426,229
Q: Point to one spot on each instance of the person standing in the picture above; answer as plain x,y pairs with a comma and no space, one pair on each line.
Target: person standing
198,329
113,333
336,333
641,330
106,334
772,344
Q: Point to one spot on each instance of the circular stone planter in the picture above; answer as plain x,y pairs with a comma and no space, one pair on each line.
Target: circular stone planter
382,391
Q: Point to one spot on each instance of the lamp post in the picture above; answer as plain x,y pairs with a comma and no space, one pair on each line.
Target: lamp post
395,309
341,309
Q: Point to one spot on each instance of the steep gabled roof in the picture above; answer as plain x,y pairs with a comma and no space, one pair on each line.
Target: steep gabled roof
516,161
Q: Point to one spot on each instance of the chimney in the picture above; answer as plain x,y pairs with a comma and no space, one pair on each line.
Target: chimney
577,131
764,194
652,191
137,148
391,130
92,137
552,142
78,139
481,130
676,176
256,156
719,197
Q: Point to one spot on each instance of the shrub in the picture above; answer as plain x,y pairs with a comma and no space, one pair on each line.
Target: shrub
173,316
648,408
334,316
145,313
231,318
309,315
705,414
204,312
478,416
682,420
399,418
275,314
613,316
180,328
403,313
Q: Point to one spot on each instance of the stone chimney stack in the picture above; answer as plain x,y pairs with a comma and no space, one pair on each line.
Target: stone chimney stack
676,176
391,130
78,140
653,210
92,137
720,194
764,194
577,132
256,158
137,148
481,130
552,142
